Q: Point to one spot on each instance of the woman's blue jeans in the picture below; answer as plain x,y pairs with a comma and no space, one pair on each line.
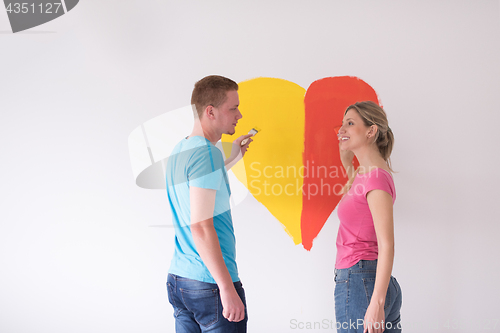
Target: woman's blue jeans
198,308
353,292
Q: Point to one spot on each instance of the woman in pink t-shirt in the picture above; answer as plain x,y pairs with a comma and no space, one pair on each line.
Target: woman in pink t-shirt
367,297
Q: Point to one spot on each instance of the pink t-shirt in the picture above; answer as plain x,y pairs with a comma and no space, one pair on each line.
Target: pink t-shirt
356,239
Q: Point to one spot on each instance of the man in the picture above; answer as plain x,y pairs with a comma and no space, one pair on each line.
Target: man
203,283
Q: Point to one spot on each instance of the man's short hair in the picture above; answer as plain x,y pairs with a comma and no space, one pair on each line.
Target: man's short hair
211,90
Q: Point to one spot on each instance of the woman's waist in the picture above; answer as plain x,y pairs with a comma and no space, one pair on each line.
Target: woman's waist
362,266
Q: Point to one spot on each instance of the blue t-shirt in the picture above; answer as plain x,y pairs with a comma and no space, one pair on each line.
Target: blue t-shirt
197,162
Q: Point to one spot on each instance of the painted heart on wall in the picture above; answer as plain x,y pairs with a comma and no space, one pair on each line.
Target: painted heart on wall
293,166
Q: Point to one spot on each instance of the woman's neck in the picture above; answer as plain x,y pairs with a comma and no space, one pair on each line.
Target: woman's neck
369,159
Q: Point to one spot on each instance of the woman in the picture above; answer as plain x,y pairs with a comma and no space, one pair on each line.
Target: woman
367,297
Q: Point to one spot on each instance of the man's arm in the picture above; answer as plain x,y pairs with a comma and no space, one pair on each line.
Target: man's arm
208,247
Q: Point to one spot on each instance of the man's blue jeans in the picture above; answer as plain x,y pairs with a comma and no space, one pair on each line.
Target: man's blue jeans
198,308
353,292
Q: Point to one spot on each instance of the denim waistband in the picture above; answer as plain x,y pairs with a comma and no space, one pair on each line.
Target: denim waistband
178,278
360,266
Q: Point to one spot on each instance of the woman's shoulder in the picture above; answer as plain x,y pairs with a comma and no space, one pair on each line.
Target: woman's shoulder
375,172
380,174
377,178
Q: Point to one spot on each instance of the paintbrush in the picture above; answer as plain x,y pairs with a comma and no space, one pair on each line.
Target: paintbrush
253,131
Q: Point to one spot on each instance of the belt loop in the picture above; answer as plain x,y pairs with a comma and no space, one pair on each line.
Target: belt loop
361,264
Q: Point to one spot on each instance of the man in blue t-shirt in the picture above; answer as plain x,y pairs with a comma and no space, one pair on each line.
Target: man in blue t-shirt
203,283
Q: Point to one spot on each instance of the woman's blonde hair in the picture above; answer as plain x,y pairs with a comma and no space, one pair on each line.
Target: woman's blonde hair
373,114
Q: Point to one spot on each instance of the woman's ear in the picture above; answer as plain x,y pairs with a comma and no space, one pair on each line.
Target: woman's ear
373,131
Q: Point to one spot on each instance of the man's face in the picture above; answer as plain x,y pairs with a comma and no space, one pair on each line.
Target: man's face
228,114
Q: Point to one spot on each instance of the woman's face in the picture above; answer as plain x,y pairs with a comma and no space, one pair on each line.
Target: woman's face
353,133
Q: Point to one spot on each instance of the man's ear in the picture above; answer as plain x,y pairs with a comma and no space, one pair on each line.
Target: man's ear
210,112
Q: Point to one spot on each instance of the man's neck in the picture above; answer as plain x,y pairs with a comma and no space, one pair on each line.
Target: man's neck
205,131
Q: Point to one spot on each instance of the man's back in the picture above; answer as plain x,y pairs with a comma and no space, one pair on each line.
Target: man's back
196,162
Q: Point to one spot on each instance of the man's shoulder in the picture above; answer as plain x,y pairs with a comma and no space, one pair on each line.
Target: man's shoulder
198,151
201,148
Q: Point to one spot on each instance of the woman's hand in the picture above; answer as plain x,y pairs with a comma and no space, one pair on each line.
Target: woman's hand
347,157
374,318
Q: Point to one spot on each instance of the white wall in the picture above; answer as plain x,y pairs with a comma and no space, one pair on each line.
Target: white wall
79,250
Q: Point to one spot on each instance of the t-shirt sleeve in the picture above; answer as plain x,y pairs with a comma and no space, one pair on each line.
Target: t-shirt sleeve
205,168
379,180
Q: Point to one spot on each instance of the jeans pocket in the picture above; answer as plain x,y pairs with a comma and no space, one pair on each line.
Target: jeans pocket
340,296
396,284
203,303
170,291
369,284
339,278
241,293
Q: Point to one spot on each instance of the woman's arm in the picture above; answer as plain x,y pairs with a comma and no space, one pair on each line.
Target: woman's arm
381,208
346,157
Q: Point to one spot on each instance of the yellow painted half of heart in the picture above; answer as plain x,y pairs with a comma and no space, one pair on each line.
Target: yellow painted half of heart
274,161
